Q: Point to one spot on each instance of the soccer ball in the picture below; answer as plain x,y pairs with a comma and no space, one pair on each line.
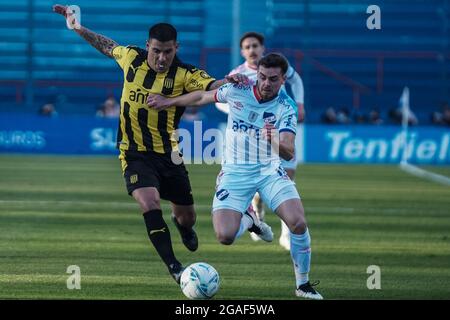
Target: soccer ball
199,281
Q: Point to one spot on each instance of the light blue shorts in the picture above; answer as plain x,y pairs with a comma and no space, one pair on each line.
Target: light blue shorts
235,191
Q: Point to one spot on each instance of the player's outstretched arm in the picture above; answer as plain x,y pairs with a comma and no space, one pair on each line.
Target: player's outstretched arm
194,99
103,44
233,78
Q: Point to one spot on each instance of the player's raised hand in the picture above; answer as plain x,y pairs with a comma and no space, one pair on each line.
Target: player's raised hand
157,102
60,9
71,13
238,78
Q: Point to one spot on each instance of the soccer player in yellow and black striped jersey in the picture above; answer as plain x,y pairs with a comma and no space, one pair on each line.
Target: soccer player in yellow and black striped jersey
145,136
142,128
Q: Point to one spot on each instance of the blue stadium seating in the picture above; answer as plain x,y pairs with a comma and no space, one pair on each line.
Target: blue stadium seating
51,61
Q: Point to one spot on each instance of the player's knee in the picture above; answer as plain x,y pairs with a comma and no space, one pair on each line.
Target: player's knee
148,205
187,219
148,199
298,227
225,238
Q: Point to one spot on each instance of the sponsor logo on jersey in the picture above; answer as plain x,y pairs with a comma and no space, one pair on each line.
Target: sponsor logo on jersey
237,105
288,122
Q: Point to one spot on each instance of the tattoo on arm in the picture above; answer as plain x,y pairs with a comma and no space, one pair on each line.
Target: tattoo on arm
103,44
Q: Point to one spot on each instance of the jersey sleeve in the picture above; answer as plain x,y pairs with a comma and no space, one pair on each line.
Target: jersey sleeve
120,54
296,84
290,72
288,121
197,79
222,94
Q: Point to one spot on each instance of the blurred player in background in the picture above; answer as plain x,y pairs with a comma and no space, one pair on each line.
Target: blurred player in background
252,50
145,137
261,128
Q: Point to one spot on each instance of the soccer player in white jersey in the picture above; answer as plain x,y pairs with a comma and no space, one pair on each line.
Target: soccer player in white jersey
252,50
261,128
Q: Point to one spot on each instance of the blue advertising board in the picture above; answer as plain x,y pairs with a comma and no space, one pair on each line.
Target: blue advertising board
376,144
316,143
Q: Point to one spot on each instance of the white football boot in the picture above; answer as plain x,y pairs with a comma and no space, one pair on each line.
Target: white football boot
261,229
307,291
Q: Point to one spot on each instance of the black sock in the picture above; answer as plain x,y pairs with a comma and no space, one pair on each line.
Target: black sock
159,235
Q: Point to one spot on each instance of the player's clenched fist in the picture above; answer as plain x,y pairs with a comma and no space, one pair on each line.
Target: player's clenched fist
71,13
269,132
157,102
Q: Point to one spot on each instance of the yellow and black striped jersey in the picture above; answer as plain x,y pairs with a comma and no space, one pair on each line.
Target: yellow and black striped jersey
142,128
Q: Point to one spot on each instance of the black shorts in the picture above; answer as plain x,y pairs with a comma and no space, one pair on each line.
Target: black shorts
151,169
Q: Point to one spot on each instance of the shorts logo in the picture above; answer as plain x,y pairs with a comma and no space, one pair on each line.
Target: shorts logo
134,178
222,194
282,173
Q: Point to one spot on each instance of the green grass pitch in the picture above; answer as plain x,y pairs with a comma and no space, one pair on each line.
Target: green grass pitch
61,211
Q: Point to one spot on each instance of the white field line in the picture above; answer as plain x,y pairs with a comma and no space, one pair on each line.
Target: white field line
135,206
418,172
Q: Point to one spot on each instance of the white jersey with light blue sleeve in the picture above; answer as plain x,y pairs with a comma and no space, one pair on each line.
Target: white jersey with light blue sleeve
245,150
249,165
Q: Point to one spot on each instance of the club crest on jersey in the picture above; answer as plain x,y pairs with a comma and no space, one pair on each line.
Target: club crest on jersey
222,194
269,118
168,83
252,116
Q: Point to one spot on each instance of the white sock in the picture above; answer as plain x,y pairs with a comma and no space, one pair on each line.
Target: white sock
284,230
301,256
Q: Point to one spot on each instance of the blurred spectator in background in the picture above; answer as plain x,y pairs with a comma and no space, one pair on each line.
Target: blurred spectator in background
48,110
357,116
109,109
329,116
442,117
375,117
193,114
446,115
343,116
396,116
